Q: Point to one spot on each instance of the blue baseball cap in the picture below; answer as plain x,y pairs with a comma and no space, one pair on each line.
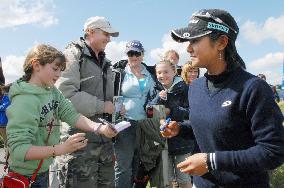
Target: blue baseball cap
134,45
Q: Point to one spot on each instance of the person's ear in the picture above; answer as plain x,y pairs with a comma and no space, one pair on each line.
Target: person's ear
36,65
222,42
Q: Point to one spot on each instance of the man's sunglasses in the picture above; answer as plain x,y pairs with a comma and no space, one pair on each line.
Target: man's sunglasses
133,53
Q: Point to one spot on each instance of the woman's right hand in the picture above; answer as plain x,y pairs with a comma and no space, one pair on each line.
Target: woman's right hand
171,130
73,143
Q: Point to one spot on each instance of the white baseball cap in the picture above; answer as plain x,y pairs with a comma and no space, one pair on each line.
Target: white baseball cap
102,23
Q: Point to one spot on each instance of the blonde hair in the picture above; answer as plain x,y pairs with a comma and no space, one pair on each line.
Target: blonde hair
184,72
167,62
44,54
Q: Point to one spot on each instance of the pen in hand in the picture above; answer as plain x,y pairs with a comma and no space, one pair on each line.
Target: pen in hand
163,127
107,123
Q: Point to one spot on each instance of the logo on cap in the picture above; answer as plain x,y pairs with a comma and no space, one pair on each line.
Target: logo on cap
134,45
219,27
186,35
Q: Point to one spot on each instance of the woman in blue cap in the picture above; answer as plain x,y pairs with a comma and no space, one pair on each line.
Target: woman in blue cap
136,81
234,118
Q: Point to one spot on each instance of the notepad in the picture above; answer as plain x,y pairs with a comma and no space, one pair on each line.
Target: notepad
121,126
117,127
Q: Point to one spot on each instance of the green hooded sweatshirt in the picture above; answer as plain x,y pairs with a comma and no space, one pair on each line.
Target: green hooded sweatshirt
33,111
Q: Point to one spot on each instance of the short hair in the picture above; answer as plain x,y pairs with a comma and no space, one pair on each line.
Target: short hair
185,68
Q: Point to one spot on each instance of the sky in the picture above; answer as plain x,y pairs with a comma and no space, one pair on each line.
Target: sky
26,23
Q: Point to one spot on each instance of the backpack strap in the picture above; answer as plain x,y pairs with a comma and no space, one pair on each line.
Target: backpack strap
80,48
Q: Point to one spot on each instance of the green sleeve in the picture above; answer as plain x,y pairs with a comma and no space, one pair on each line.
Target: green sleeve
66,111
23,115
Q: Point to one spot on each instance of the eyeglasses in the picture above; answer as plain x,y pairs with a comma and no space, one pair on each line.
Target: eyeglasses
205,14
133,53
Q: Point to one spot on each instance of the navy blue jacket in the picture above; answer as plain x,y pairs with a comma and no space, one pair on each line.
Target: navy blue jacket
241,123
178,104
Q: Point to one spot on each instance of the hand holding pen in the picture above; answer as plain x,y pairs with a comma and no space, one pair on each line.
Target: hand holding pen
107,128
169,128
165,124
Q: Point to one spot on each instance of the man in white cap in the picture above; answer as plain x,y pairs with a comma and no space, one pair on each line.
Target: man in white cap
87,82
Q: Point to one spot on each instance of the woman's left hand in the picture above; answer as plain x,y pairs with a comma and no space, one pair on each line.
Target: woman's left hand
194,164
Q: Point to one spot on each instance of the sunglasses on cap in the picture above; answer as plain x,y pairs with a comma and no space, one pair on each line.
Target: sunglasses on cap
133,53
205,14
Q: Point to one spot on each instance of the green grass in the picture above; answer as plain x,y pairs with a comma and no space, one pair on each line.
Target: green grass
281,105
277,178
